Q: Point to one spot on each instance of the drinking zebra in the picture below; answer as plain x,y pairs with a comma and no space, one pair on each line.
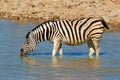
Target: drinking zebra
71,32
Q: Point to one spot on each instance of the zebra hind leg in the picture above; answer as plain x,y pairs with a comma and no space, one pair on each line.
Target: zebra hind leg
91,48
57,47
97,47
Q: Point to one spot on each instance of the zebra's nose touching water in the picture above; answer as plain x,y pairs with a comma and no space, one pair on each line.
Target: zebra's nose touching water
71,32
28,46
22,52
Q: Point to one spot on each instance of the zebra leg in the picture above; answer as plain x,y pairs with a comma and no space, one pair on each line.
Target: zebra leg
56,47
96,46
91,48
60,50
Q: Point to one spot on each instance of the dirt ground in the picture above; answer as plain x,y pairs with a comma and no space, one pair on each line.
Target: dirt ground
42,10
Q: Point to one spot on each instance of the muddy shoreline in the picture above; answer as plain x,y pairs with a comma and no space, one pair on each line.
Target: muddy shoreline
40,11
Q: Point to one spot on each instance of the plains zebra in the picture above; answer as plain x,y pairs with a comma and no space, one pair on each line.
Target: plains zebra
71,32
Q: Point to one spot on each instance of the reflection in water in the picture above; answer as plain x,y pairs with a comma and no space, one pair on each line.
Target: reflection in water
63,69
74,63
57,62
28,60
77,63
76,69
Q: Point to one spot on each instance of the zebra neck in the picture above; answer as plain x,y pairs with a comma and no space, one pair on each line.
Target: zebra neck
44,31
40,37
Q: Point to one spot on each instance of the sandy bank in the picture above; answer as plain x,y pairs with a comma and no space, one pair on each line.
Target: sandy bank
39,10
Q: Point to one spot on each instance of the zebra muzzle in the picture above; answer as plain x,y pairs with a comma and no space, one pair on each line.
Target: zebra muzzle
22,52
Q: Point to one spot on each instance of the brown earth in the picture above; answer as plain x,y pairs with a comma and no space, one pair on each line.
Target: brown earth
42,10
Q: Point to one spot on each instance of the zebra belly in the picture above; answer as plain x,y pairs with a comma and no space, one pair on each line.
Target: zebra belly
73,43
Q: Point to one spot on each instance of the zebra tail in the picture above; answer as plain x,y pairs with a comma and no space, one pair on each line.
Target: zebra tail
104,23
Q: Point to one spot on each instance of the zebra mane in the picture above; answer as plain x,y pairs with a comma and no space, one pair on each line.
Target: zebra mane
27,36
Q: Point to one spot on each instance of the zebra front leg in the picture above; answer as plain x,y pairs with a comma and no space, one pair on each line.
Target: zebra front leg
56,47
60,51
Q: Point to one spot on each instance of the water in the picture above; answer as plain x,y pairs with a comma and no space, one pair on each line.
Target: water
39,65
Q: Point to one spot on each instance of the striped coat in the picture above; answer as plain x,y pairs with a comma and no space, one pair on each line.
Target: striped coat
70,32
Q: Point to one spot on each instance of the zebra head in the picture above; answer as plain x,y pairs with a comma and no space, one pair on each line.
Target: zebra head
29,44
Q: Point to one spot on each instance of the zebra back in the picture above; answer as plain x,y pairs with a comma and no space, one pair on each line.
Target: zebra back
71,31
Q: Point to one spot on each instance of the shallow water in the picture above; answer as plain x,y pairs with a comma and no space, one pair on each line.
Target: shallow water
39,65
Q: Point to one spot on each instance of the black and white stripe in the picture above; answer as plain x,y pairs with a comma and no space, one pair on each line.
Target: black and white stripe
71,32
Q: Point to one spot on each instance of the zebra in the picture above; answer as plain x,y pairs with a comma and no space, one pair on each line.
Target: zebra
70,32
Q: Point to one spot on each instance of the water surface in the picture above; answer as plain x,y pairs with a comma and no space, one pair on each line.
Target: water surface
39,65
